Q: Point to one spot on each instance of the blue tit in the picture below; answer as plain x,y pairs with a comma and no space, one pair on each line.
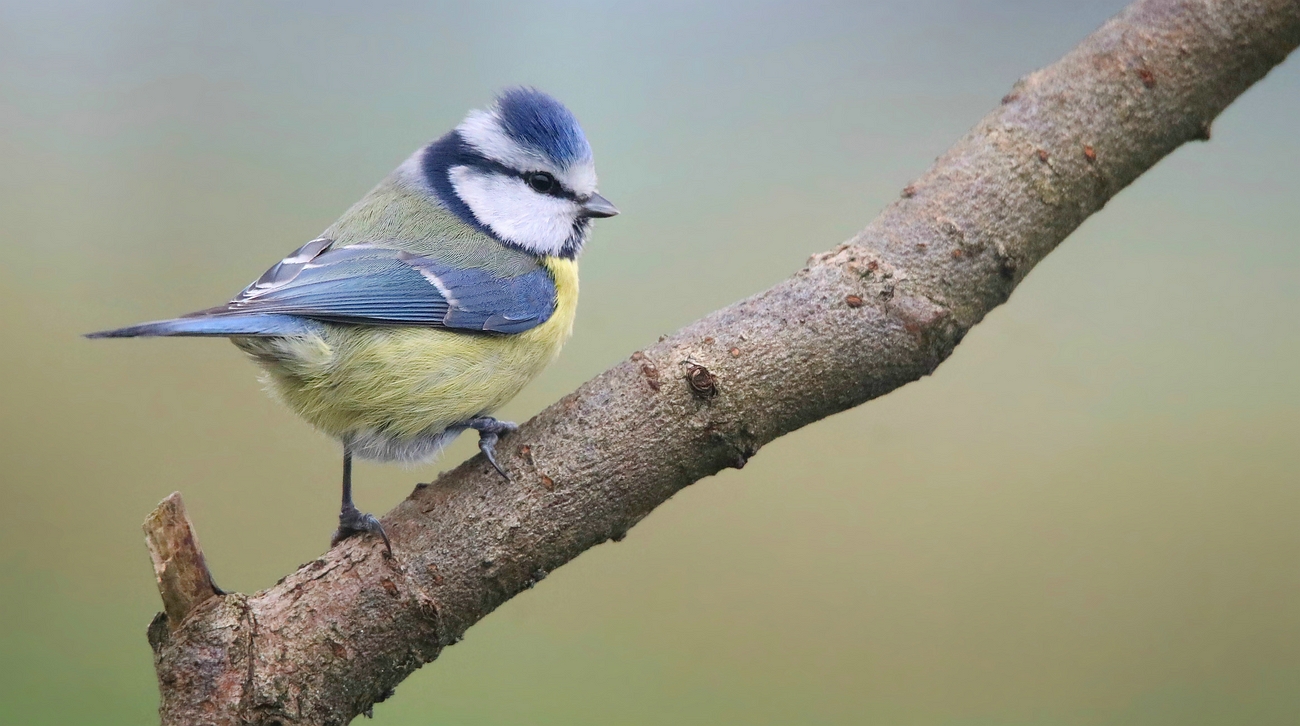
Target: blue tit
433,300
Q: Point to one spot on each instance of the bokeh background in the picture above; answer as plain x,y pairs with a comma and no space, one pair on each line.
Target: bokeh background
1087,516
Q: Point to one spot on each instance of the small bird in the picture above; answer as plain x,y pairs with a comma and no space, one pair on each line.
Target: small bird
433,300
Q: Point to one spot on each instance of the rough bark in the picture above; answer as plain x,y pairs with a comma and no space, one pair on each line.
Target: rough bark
336,636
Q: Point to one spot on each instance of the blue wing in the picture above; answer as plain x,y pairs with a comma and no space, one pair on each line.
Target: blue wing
368,285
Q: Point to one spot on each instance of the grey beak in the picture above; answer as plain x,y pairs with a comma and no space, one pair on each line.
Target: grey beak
598,206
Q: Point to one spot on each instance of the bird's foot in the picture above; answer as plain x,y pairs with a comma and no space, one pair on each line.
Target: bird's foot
489,432
353,522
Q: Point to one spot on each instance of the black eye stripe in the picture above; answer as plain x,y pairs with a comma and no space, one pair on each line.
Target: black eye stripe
477,161
554,188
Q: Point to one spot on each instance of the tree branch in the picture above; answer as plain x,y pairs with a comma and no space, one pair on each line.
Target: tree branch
184,581
333,638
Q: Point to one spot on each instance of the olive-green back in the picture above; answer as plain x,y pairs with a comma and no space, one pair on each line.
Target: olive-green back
398,215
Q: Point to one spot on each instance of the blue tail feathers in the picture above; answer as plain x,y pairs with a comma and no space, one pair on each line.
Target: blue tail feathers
215,326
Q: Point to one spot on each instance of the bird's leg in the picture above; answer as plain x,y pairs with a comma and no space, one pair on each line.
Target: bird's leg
489,431
352,521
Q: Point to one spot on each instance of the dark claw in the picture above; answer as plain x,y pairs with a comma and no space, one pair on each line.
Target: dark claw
487,443
489,433
353,522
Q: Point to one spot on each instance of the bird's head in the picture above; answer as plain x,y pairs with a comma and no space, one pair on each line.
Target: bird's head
521,171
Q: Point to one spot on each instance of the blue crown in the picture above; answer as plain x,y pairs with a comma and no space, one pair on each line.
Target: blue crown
536,120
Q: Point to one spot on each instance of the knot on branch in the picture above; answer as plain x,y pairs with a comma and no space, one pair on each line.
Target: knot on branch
865,265
703,384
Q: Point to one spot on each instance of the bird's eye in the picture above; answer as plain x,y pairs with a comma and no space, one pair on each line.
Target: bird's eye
540,181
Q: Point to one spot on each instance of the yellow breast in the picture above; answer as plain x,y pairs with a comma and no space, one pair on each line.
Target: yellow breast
405,383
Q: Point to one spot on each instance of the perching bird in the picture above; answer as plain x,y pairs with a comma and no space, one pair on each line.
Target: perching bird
433,300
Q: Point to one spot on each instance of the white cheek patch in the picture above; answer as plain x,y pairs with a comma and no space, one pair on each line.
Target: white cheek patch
539,223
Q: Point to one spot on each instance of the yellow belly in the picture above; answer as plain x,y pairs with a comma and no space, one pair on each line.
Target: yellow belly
408,384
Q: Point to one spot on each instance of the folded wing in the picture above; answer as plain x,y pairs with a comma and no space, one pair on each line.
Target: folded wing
369,285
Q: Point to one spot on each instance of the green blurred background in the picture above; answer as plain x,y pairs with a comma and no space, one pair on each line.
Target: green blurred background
1087,516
